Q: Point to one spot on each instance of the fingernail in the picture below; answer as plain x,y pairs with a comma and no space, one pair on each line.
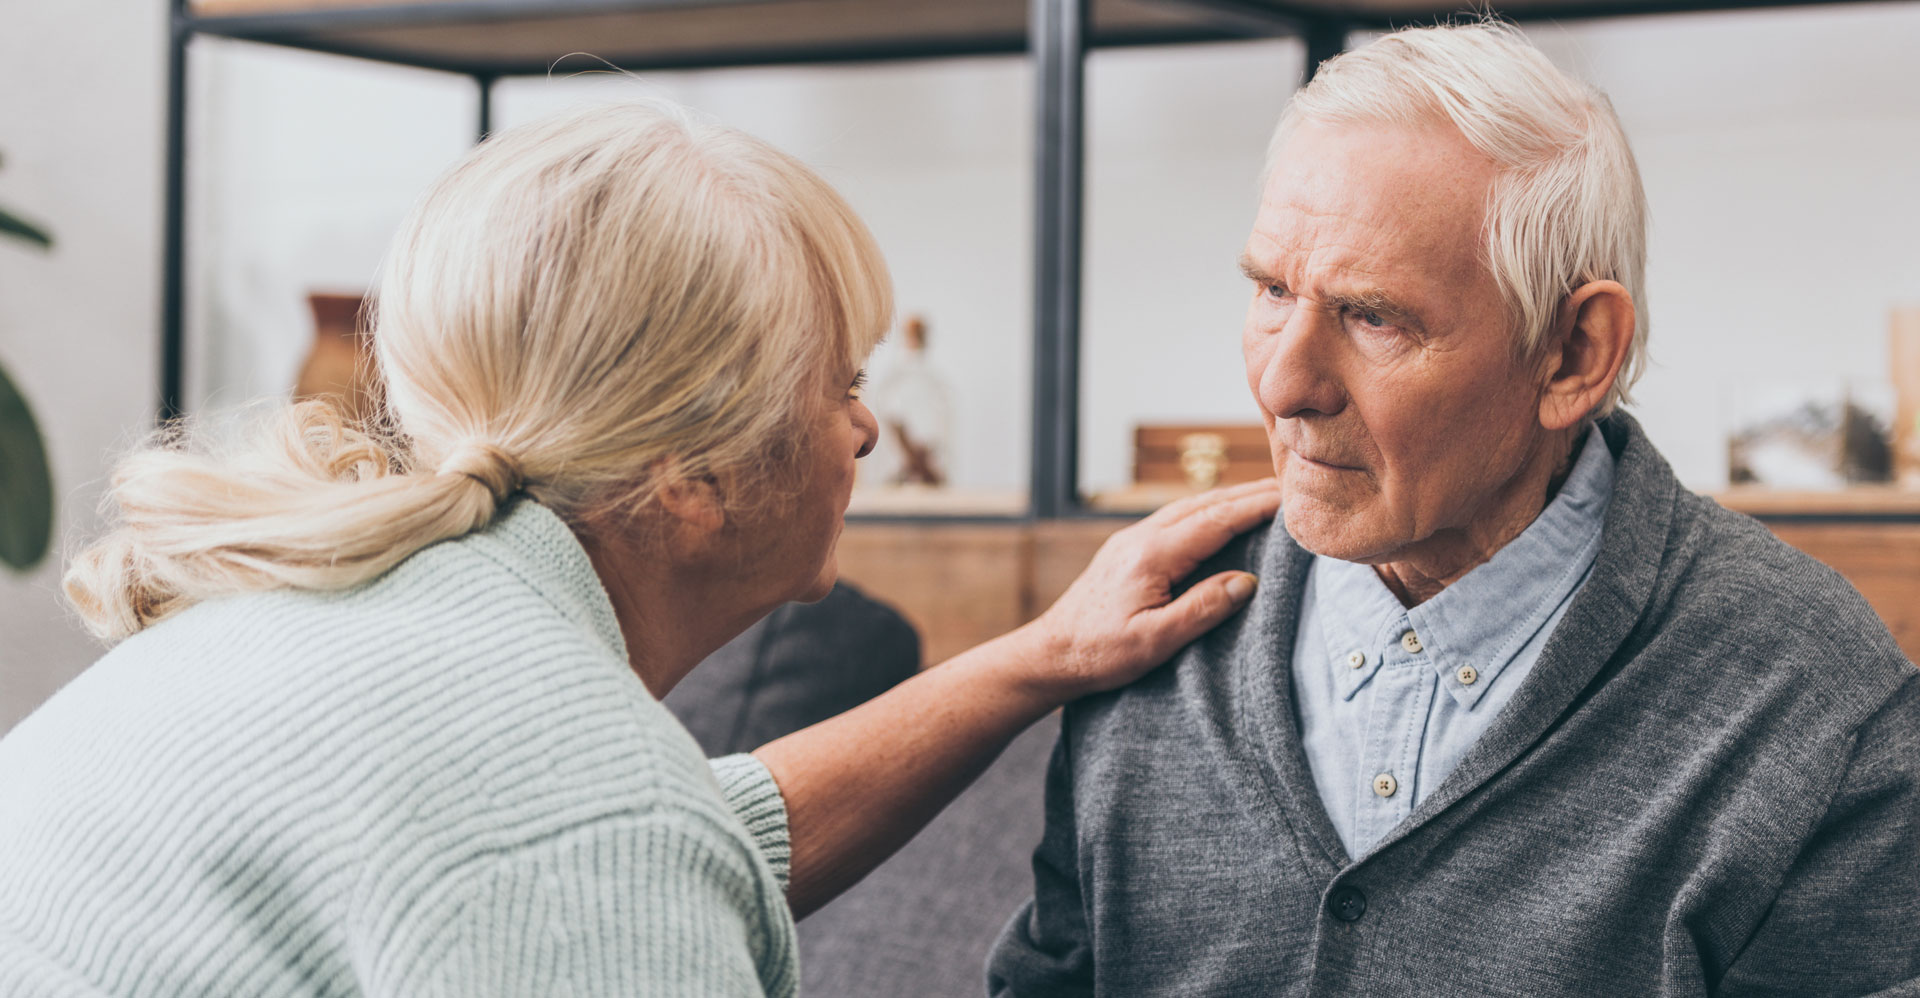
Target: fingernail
1241,586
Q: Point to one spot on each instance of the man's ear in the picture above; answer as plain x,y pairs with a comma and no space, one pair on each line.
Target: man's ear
1594,335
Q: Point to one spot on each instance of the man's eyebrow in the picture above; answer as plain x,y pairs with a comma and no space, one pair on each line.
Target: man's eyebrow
1370,300
1380,302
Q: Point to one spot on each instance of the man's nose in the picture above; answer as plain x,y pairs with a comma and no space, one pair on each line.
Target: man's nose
1298,374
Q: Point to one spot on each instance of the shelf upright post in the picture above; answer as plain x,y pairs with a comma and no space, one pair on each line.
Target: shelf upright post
1058,44
1326,37
173,251
485,82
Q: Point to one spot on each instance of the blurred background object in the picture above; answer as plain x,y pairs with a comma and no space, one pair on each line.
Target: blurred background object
339,365
802,664
915,410
1903,334
1790,438
1171,461
26,484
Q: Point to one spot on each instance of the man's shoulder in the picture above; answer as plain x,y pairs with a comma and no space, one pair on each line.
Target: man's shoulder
1201,680
1245,553
1730,583
1730,561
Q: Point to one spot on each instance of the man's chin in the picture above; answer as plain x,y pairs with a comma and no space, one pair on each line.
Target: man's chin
1329,532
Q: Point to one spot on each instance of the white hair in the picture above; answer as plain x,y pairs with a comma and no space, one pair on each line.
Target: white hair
1567,207
582,308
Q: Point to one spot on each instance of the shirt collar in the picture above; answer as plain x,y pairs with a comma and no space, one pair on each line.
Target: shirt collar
1485,618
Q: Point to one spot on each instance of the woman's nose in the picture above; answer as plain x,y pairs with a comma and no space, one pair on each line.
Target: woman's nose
866,429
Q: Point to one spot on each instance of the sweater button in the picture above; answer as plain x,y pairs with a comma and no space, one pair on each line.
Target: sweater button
1348,904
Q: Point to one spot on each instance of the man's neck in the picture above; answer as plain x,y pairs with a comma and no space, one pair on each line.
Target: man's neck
1421,571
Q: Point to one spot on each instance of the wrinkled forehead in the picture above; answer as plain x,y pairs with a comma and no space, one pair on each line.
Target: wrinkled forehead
1400,201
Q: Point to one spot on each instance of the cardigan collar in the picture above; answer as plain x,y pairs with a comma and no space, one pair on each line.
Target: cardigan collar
1632,544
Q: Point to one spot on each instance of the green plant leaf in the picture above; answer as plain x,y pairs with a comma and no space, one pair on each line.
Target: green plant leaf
19,228
26,486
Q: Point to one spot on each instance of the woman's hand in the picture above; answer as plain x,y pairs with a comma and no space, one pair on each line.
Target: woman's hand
859,785
1120,618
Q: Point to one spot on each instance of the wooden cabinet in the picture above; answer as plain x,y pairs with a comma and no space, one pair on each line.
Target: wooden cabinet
962,584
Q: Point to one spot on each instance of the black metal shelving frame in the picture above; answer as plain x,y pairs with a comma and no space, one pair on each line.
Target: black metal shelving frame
1056,39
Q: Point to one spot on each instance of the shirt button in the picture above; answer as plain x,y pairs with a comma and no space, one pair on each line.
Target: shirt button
1348,904
1411,642
1356,659
1467,675
1385,784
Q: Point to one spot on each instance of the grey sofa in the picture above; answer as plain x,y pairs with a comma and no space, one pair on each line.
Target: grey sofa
920,924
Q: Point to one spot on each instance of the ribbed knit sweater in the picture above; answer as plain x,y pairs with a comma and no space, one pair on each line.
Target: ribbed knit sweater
447,781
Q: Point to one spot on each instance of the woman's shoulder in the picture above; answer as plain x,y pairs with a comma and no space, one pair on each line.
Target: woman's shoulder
480,681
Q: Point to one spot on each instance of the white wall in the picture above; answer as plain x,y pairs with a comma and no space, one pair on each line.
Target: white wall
1175,140
1781,156
82,97
1780,149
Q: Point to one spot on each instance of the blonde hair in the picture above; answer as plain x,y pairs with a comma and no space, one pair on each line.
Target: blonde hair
1567,207
579,308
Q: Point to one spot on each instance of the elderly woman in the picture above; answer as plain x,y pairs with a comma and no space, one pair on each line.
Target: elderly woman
384,714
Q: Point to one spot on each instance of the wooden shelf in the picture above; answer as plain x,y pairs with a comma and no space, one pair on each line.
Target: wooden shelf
525,37
937,502
1860,500
1140,497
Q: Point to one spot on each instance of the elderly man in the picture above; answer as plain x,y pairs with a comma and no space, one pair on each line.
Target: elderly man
1513,713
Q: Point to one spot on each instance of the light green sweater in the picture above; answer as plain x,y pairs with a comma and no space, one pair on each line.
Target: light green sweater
445,782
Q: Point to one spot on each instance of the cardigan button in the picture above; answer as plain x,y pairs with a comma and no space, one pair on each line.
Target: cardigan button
1348,904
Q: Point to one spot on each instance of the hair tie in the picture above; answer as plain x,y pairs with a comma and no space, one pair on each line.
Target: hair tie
486,464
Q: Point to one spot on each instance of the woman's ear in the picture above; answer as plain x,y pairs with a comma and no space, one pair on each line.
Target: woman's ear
694,502
1595,334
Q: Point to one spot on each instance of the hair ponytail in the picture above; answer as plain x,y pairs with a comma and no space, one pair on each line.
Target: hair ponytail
312,503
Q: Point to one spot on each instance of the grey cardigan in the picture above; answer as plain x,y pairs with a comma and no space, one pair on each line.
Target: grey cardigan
1708,785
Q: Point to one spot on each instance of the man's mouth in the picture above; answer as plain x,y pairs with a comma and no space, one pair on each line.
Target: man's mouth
1321,463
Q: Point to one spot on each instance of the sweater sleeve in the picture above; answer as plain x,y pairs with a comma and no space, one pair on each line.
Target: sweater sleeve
749,789
1847,919
667,903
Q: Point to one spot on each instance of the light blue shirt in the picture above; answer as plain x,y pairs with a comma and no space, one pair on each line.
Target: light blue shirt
1389,699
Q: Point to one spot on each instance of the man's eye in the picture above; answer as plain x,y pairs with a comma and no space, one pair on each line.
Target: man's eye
1276,291
1373,319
